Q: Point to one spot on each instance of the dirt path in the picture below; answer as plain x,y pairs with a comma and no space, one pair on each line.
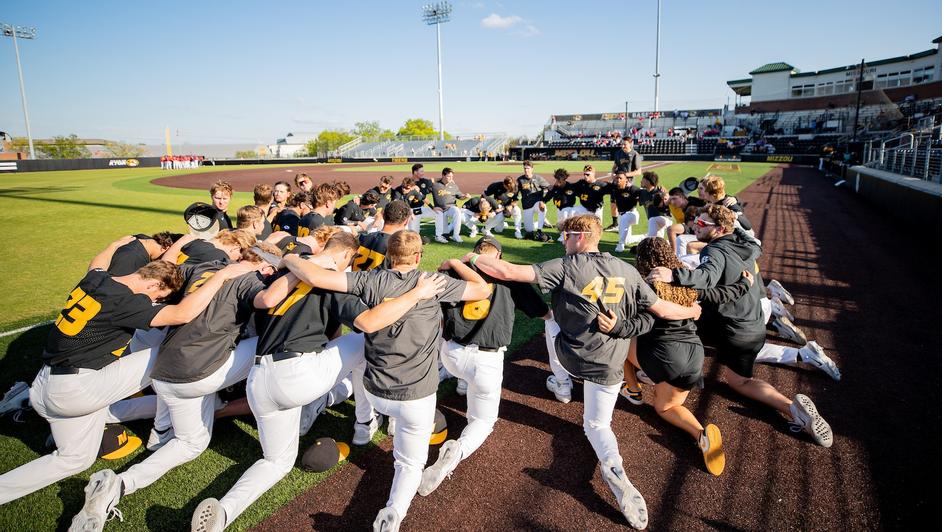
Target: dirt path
857,290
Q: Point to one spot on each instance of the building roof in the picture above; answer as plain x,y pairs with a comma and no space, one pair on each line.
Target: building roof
937,40
772,67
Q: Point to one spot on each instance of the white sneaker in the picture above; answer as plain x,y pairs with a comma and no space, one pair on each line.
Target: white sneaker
462,387
16,398
457,239
440,239
560,239
159,438
209,516
102,494
643,377
813,354
518,235
788,330
630,501
310,411
635,398
448,457
777,290
619,248
805,418
387,520
474,231
778,309
487,232
562,390
363,432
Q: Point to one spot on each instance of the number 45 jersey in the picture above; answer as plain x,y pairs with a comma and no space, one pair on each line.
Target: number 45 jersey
580,286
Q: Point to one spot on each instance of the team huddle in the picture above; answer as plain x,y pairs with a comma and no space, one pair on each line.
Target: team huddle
267,300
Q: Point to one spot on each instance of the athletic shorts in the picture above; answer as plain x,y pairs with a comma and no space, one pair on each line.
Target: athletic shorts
679,364
737,351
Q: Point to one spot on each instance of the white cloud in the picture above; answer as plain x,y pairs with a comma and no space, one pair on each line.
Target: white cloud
497,22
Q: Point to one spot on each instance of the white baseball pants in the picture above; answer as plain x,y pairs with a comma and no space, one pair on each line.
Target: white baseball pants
76,407
276,392
625,222
658,225
192,408
484,373
526,217
441,221
680,247
414,423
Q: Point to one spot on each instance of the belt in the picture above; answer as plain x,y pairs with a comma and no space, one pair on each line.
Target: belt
63,370
279,356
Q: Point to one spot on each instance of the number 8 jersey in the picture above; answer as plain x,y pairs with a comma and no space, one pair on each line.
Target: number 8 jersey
97,322
580,285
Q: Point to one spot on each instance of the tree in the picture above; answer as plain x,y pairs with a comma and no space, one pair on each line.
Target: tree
419,127
124,150
19,144
65,148
372,130
246,154
328,141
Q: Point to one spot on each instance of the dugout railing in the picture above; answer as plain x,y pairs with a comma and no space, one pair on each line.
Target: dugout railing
916,154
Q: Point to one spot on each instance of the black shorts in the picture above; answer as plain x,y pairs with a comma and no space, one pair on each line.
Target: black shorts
735,350
679,364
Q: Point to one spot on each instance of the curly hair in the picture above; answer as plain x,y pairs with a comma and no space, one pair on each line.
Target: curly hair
654,252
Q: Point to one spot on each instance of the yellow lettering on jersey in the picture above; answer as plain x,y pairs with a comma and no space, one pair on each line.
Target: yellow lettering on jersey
290,246
199,282
614,289
79,310
296,295
593,290
120,351
367,259
181,258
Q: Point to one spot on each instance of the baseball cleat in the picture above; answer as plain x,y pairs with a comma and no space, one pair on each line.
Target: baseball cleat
643,377
474,231
448,458
441,240
711,444
788,330
457,239
612,228
387,520
620,248
778,309
16,398
630,501
805,417
462,387
777,290
518,235
309,413
634,396
813,354
101,496
209,516
487,232
363,432
562,390
159,438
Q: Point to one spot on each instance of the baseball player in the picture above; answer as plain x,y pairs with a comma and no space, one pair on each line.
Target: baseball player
591,193
409,193
507,197
677,233
195,360
280,193
625,197
221,193
252,219
424,188
289,218
323,200
654,198
261,195
353,216
295,364
129,257
563,196
445,195
225,246
477,334
303,182
373,246
385,192
737,328
86,365
483,209
582,284
532,189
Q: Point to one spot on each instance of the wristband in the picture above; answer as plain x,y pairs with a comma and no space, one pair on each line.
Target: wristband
474,258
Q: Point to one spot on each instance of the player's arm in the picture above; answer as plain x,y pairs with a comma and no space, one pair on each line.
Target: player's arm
501,269
173,252
636,165
707,274
639,324
391,310
724,294
276,292
460,268
672,311
103,260
277,236
195,303
315,275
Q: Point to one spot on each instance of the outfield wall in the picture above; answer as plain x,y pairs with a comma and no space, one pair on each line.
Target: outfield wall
48,165
915,200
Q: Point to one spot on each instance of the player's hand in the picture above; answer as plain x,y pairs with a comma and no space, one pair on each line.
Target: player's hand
446,265
749,277
729,201
429,285
437,209
240,268
541,206
698,309
660,273
607,321
468,256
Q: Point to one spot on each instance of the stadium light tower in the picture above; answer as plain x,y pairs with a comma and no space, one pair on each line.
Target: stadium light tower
436,14
657,57
22,32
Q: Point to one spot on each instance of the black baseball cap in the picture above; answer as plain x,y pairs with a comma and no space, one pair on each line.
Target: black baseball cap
489,240
324,454
200,216
117,442
690,184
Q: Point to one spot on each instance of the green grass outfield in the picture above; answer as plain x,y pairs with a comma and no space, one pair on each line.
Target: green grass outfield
55,222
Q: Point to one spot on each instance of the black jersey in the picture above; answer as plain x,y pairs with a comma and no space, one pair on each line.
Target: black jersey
224,221
384,197
96,323
372,252
128,258
531,190
626,198
199,251
302,321
311,221
266,231
290,244
349,212
288,221
499,192
592,195
425,186
473,205
489,323
414,199
562,197
655,203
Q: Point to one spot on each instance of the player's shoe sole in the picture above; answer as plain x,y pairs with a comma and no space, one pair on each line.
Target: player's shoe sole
387,520
209,516
630,501
813,355
16,398
806,418
713,456
448,458
778,309
102,494
777,290
634,397
789,331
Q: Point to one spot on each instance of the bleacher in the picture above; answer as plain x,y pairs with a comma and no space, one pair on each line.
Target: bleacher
428,148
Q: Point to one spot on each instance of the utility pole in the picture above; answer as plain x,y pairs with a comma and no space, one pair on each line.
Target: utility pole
859,90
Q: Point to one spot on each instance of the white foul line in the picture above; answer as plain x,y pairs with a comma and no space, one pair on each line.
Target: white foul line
24,329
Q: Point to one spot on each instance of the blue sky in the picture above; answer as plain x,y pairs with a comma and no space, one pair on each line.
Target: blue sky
237,71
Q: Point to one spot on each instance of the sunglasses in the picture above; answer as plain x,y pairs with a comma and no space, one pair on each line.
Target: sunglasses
567,234
701,223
